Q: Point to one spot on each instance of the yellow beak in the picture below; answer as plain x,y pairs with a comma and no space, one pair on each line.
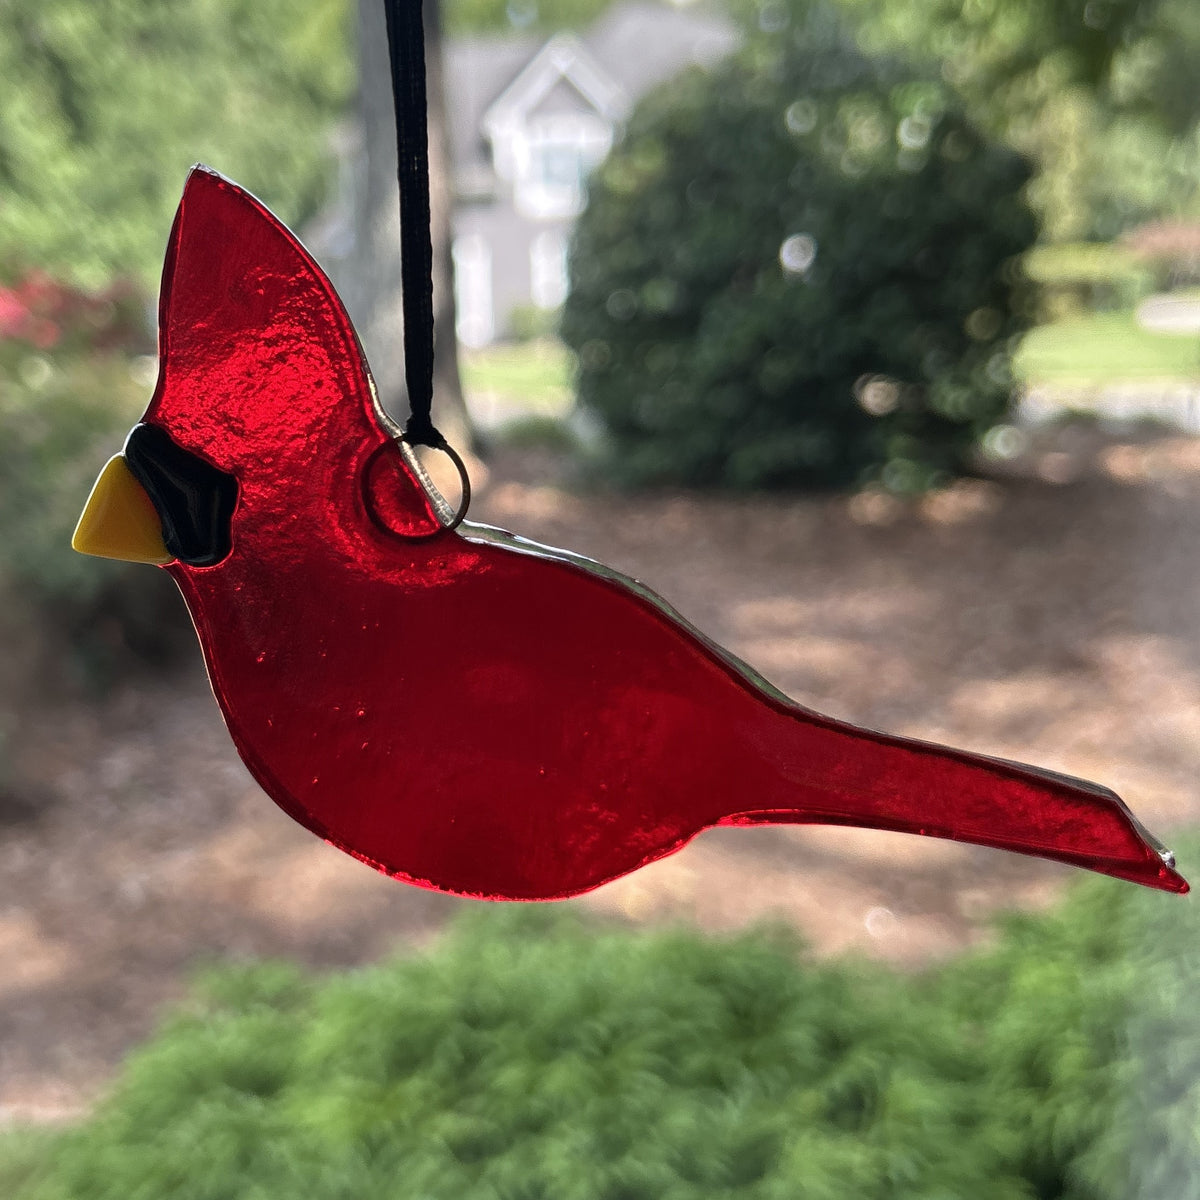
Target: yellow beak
119,520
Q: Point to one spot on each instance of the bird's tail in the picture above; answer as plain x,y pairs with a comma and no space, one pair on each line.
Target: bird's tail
835,774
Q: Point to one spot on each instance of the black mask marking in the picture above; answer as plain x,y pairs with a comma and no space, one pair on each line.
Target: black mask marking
194,499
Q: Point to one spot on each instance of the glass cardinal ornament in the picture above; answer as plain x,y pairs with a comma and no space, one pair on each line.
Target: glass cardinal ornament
461,708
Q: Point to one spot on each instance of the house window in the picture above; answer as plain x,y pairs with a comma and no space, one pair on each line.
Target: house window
475,321
559,165
548,269
553,158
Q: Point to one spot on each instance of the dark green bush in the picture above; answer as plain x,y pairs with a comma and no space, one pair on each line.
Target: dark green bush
531,1056
799,271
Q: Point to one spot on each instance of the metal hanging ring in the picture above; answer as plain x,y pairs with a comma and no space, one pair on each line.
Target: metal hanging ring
464,479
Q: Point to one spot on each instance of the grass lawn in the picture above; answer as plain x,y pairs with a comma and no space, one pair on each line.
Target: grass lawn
509,380
1105,347
517,379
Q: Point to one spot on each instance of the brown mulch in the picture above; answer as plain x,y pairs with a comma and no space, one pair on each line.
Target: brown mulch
1048,616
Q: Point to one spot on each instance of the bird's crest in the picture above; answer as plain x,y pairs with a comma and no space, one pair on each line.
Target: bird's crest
259,363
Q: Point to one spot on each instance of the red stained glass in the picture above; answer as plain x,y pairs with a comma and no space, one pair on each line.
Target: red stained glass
475,713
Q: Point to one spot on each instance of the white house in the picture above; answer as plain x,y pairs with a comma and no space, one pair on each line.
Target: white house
529,120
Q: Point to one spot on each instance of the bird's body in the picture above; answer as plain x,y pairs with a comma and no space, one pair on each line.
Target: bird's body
560,730
462,709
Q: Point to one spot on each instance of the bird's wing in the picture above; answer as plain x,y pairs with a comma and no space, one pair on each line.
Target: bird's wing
491,535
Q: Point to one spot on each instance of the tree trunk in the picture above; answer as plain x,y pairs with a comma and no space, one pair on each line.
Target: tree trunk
371,282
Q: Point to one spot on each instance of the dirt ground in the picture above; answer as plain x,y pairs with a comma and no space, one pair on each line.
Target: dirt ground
1049,615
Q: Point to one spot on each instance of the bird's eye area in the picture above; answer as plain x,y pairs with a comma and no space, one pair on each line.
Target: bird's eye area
194,499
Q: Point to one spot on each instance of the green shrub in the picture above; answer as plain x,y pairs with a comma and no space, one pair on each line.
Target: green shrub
76,370
799,271
532,1056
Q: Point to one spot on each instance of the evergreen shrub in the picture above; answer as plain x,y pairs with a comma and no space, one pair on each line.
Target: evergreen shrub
529,1055
76,371
799,270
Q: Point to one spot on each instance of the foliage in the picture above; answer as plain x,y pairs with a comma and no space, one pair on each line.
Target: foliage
532,1056
1074,278
511,16
108,102
74,377
996,44
1082,1010
1098,92
798,271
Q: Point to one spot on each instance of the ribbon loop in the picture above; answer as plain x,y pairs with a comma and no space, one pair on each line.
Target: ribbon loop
406,52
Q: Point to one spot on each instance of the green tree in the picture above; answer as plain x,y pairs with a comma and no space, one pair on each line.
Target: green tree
108,102
992,46
1100,93
498,16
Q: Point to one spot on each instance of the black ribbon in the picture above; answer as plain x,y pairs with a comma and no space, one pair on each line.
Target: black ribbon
406,52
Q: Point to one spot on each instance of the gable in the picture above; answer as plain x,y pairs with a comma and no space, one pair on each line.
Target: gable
564,98
496,84
562,60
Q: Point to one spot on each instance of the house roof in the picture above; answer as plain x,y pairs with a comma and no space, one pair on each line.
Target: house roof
477,70
642,44
563,58
631,49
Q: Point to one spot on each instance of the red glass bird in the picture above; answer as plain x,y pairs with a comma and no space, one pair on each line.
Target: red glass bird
464,709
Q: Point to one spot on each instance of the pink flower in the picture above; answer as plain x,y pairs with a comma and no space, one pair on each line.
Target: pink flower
13,314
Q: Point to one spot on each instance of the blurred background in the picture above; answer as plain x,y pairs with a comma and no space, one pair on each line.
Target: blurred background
867,332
